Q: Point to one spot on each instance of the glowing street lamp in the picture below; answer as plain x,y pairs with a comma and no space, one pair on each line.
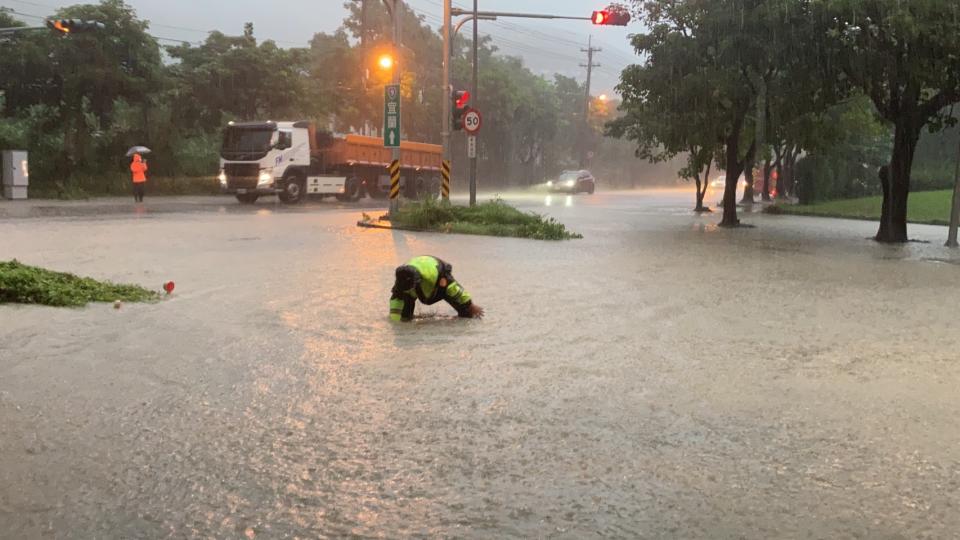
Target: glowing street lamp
385,62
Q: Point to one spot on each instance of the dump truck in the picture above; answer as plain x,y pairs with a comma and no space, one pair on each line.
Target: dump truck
294,160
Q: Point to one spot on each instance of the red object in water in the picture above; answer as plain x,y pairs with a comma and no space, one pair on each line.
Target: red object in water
168,286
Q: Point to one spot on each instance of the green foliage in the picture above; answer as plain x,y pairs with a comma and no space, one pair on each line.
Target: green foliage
233,76
935,163
494,218
929,207
842,161
24,284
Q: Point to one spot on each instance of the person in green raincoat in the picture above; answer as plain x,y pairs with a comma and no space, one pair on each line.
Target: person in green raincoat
429,280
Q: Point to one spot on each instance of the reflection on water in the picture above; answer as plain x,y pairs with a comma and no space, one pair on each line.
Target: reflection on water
548,201
706,227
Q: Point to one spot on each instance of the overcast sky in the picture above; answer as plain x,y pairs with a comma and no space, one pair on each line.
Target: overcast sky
547,46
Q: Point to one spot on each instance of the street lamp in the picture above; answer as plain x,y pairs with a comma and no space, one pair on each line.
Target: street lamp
385,61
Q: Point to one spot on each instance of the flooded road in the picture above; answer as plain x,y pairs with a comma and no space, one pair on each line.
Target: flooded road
661,378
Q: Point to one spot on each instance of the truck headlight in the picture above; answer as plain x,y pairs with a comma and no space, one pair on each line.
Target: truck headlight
266,177
570,183
549,183
223,178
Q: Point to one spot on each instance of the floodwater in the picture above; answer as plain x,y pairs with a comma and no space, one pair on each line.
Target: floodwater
661,378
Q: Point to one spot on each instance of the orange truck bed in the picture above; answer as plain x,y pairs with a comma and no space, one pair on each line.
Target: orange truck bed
361,150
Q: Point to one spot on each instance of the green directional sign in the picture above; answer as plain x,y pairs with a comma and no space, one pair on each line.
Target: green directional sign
391,116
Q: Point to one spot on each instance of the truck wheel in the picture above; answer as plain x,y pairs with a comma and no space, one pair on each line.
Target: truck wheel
351,190
373,189
294,189
247,198
591,189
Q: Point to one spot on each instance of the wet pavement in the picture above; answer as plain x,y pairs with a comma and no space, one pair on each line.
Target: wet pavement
661,378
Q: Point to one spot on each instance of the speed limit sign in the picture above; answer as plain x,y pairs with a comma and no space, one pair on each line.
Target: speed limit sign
472,121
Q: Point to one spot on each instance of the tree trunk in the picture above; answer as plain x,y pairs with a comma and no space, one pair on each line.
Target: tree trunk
702,190
788,177
884,176
699,207
734,168
905,141
767,169
748,190
781,152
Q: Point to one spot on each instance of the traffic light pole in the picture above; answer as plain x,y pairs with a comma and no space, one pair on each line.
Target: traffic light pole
473,159
18,29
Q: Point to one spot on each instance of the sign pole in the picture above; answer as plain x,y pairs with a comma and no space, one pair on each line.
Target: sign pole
395,201
447,91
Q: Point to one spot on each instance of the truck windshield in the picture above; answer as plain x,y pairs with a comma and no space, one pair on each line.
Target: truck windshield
246,144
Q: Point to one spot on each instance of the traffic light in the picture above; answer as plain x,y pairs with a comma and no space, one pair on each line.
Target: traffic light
460,100
73,26
611,17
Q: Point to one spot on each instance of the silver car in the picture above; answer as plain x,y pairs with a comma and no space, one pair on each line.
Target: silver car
573,182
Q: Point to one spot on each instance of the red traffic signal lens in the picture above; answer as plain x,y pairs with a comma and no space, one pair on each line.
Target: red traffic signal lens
462,99
600,17
60,25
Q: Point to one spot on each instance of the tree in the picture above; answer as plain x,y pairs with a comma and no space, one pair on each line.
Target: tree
234,77
905,56
658,116
739,47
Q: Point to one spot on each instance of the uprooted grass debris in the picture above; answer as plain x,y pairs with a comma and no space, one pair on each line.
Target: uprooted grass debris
23,284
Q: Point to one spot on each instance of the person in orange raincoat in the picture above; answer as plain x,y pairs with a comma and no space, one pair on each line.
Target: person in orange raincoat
139,169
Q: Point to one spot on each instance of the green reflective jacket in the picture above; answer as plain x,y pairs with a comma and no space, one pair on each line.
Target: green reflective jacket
431,269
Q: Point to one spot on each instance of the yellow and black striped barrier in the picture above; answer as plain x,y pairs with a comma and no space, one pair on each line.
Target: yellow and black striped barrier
394,179
445,184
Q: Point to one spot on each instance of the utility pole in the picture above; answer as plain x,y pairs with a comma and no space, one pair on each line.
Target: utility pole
586,103
473,160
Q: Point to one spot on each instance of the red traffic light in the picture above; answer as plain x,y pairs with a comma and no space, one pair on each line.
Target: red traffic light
463,97
611,16
68,26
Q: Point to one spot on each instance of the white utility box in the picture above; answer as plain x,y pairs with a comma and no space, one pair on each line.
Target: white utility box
15,174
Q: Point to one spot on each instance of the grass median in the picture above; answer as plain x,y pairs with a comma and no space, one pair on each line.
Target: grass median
494,218
926,207
22,284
